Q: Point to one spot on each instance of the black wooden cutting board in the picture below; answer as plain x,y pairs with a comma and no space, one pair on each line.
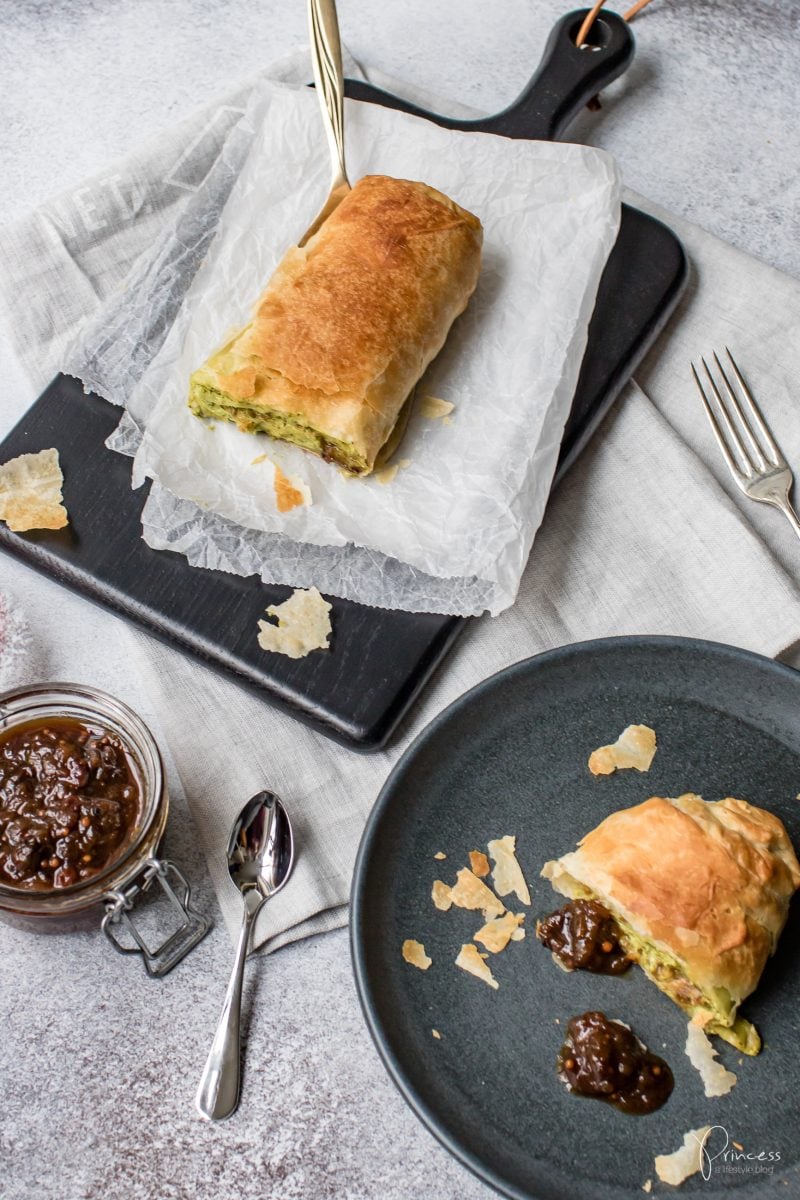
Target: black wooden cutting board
379,660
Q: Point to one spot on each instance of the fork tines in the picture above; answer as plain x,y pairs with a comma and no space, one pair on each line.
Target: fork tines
737,423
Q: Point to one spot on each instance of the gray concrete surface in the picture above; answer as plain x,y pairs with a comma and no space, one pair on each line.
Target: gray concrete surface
97,1063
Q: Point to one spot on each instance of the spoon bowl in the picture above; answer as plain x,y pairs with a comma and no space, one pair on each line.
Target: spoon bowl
261,846
260,860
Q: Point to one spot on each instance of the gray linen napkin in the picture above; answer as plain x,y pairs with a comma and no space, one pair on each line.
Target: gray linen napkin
639,538
646,534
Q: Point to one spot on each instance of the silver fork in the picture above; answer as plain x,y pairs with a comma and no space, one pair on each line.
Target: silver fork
326,59
751,452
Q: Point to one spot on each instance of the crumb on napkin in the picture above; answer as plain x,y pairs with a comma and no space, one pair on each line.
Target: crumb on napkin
635,747
304,624
30,492
440,854
414,953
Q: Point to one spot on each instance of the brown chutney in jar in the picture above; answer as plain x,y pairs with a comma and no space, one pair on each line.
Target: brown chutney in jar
70,802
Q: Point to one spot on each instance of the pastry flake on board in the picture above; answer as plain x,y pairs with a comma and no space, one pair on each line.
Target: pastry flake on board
30,492
304,624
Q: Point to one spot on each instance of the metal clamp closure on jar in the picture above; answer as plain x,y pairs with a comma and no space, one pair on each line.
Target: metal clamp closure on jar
176,945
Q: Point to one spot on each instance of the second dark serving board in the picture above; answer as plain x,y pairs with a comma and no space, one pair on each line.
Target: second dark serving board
379,660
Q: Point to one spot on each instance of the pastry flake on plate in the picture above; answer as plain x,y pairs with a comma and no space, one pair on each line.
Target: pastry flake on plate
472,893
471,960
685,1161
700,891
497,933
635,747
507,873
414,953
717,1080
441,895
479,863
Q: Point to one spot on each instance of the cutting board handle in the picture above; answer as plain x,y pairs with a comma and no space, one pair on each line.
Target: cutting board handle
566,78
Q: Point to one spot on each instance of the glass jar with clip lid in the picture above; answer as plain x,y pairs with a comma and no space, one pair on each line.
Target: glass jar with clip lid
83,809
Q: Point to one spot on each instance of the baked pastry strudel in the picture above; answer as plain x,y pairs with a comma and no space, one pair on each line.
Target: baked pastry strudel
348,323
700,891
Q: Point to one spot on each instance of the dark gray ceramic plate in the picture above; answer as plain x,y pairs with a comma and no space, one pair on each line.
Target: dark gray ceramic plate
510,757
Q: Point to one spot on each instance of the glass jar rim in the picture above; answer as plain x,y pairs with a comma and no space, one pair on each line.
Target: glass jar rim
21,704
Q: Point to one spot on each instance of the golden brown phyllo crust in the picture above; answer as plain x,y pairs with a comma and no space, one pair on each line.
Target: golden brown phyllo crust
348,323
702,892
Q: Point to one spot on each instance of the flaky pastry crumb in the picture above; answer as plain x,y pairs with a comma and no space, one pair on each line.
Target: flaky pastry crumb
472,893
717,1080
507,873
497,933
414,953
685,1161
479,863
290,491
434,408
635,747
304,624
30,492
472,961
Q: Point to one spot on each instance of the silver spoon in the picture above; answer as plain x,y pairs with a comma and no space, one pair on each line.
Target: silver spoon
326,59
260,860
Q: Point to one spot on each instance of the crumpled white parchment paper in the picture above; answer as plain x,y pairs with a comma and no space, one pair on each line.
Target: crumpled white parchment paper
451,532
